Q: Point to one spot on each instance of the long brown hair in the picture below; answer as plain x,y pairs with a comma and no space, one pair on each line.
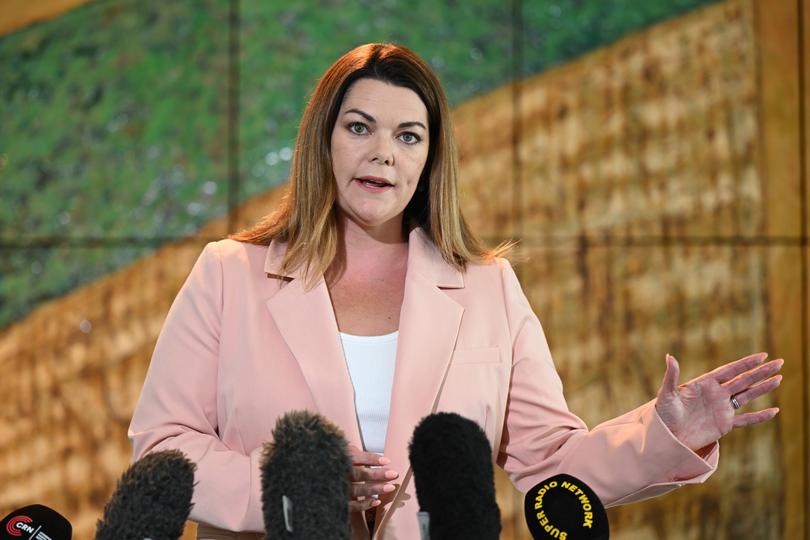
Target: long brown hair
307,217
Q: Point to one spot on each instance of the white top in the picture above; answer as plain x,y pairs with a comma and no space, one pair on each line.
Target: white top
371,361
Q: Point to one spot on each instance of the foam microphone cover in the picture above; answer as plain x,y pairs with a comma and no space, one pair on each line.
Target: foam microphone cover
565,508
37,522
305,479
455,484
152,499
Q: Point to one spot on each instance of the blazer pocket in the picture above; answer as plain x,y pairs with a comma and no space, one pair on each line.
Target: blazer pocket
485,355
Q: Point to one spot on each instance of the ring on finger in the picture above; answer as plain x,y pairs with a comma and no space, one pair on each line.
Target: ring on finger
734,403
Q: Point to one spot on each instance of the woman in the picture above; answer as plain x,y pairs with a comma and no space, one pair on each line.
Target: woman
366,298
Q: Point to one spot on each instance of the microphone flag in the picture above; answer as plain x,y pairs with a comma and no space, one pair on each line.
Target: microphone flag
35,522
565,508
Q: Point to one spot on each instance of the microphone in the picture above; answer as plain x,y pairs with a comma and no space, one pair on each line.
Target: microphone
305,479
36,522
152,499
565,508
455,484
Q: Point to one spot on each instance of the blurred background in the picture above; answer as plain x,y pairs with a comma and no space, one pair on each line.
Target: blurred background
650,156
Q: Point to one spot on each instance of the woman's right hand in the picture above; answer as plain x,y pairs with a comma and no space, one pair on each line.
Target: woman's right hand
368,481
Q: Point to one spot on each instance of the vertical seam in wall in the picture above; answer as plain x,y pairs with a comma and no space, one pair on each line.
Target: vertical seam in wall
805,290
518,522
517,85
233,115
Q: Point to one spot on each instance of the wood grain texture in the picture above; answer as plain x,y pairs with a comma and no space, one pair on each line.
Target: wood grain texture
785,337
783,132
777,38
675,227
484,127
805,93
654,136
611,315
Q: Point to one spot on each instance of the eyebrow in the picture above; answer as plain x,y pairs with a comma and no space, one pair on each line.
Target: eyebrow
372,120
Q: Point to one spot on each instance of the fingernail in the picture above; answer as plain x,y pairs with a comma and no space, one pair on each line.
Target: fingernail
391,474
384,461
388,488
376,502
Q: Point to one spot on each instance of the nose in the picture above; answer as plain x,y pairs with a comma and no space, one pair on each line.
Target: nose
382,152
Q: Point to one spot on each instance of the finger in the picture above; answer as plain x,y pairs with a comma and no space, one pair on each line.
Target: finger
728,371
752,377
755,391
360,474
365,474
380,475
369,458
749,419
359,491
673,372
361,506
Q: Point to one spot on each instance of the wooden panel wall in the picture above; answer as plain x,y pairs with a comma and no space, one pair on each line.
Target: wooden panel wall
661,203
780,74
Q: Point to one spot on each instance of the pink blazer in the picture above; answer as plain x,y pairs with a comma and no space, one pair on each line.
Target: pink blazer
242,345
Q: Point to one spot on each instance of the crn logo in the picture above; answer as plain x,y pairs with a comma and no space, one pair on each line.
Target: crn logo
19,524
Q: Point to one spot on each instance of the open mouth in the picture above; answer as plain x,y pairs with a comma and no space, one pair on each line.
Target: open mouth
376,183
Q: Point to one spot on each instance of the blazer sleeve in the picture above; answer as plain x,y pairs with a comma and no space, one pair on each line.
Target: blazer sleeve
626,459
177,408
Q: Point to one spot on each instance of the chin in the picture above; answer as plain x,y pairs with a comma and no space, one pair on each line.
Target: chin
372,222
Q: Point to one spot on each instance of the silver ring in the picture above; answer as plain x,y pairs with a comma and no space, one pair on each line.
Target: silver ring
735,403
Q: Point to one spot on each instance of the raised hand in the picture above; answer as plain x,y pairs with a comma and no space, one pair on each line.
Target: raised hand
368,481
701,411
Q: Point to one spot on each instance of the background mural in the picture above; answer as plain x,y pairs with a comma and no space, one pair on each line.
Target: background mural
129,124
650,157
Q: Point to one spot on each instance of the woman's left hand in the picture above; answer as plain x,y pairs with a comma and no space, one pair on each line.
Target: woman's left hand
700,411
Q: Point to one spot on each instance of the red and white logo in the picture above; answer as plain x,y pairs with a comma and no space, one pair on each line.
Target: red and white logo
18,524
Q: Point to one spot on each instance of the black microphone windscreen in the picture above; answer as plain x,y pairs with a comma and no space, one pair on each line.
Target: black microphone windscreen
37,522
455,484
565,508
305,479
152,499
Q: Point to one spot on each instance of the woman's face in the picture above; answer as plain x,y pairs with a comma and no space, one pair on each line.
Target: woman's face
379,148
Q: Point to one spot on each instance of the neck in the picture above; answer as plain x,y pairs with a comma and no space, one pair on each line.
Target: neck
371,237
364,249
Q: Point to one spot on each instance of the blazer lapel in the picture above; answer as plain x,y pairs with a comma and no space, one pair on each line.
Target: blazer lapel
307,323
428,327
